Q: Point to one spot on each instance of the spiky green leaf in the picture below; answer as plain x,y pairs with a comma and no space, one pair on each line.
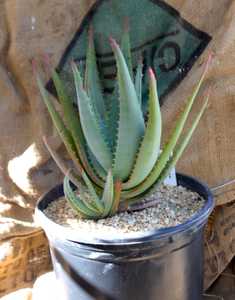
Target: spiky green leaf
69,112
92,83
108,194
152,182
138,81
113,118
117,196
178,150
131,122
73,123
77,203
90,125
150,146
86,196
96,167
60,126
113,107
93,193
170,146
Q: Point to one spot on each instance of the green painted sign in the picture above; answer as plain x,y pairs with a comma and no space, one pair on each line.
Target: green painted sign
167,42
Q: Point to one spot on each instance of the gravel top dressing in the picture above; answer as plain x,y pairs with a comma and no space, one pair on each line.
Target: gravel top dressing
175,206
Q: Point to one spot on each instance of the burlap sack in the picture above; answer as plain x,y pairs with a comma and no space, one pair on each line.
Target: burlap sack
23,259
219,242
175,35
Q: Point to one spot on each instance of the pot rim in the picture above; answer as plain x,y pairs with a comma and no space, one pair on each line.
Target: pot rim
197,220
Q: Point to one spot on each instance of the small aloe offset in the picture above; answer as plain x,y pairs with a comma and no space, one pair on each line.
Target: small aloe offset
118,157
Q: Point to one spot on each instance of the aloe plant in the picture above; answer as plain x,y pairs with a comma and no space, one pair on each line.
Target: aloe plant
117,155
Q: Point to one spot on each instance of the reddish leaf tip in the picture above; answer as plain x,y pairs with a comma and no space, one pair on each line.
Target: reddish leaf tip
73,64
91,33
211,54
209,60
45,140
151,73
46,58
113,42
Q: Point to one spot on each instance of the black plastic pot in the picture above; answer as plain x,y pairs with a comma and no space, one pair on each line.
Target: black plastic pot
165,264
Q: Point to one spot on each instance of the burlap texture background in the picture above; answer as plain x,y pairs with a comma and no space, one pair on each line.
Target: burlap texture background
29,28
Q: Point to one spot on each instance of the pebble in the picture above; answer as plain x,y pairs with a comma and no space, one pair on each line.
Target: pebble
175,205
